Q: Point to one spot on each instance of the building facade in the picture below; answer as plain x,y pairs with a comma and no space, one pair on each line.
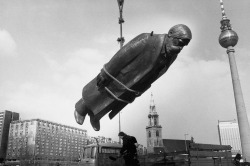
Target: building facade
39,140
6,117
229,135
154,129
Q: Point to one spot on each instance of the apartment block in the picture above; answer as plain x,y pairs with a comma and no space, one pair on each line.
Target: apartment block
41,140
229,135
6,117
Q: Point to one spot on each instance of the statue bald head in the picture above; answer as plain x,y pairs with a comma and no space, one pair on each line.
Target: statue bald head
180,31
178,37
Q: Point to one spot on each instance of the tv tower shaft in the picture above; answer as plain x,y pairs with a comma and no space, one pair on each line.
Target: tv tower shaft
228,39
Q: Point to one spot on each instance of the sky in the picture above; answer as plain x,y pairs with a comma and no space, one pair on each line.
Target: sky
49,50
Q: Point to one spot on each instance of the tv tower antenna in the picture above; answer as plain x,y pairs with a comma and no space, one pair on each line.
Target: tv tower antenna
228,39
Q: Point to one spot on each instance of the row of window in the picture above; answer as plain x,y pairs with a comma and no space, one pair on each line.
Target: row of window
20,125
55,142
156,134
59,127
48,125
48,135
46,151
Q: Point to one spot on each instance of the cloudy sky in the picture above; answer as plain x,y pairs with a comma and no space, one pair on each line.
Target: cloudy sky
50,49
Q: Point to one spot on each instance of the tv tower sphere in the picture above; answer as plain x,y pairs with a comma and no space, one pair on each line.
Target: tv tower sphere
228,38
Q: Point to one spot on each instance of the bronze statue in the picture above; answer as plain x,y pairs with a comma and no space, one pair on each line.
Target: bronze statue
129,73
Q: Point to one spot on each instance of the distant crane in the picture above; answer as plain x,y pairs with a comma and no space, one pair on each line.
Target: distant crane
121,40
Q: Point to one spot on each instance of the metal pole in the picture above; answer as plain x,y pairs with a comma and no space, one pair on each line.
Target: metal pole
185,141
219,131
119,127
121,41
121,21
186,148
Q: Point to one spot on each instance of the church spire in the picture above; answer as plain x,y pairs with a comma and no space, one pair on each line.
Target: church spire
154,132
152,106
153,116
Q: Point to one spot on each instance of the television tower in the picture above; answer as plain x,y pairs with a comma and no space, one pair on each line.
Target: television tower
228,39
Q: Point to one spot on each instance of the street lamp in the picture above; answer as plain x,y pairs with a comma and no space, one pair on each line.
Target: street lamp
185,141
121,41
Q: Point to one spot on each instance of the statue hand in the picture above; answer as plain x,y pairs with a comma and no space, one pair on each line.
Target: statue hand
102,79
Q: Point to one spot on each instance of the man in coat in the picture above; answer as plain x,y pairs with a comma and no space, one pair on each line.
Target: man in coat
129,149
129,73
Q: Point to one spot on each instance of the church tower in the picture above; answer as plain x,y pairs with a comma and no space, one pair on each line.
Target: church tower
154,130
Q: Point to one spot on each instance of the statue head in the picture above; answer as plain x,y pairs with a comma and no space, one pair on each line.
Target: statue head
180,31
179,36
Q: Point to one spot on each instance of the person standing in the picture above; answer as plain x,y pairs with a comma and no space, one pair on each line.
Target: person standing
129,149
237,159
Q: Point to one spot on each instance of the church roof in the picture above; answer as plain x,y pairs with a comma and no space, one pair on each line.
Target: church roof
175,145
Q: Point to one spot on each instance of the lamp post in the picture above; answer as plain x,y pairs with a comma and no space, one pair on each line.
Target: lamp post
228,39
185,141
121,41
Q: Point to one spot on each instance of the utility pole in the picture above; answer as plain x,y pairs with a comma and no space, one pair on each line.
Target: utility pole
186,142
121,41
228,39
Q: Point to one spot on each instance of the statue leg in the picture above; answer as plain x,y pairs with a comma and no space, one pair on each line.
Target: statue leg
80,111
95,123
